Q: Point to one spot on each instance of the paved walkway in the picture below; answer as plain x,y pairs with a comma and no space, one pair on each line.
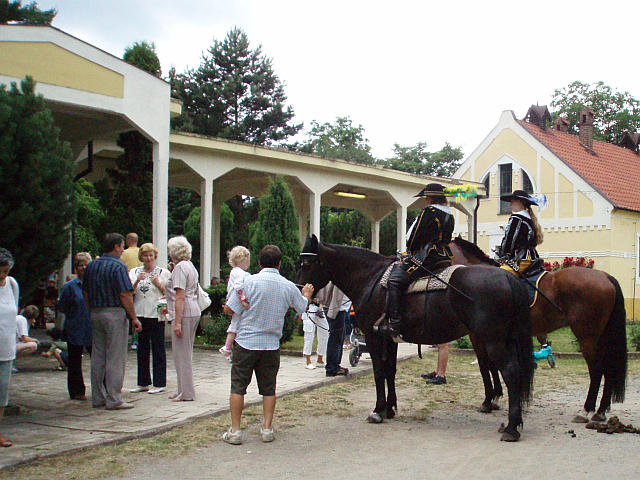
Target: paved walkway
50,423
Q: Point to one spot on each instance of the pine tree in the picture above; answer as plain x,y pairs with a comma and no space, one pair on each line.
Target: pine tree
234,94
36,187
278,225
13,11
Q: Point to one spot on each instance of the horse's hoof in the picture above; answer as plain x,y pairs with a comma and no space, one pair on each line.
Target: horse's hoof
390,414
374,417
501,428
598,417
510,437
485,409
580,419
495,406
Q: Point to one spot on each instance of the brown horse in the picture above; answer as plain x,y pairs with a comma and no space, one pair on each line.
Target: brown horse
592,306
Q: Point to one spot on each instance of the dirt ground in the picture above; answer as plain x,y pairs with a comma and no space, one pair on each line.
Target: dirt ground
446,439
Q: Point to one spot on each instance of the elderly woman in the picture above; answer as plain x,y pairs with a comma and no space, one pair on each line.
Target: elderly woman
182,303
148,282
9,294
76,327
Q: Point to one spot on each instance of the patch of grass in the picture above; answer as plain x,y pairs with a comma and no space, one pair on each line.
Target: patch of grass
355,397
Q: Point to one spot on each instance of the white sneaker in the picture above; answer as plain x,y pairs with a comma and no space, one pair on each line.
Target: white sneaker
234,438
320,364
310,366
156,390
267,435
139,389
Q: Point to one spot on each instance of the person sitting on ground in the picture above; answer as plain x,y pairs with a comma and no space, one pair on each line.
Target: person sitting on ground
314,320
58,349
438,377
24,343
239,259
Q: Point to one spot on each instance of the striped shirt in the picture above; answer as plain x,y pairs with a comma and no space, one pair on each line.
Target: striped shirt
270,295
104,280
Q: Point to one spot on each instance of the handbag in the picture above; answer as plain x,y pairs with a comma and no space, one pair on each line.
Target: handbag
203,299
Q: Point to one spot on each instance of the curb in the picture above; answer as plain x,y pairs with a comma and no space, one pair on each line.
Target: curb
469,351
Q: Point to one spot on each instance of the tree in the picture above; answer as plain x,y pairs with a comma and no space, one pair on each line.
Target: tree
278,225
615,113
143,54
30,14
88,223
36,185
234,94
338,140
416,159
192,232
181,202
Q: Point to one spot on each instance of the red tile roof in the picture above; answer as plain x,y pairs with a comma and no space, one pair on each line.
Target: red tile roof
614,171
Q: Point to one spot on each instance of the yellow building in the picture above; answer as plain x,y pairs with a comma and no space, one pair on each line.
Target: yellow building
592,187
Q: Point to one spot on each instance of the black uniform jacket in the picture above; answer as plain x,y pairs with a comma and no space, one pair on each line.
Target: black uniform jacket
434,226
520,239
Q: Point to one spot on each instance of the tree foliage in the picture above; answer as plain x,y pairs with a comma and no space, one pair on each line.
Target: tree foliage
615,113
192,232
89,220
278,225
143,54
13,11
416,159
36,188
234,94
338,140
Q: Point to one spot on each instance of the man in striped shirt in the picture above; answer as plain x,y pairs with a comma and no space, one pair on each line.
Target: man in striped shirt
108,293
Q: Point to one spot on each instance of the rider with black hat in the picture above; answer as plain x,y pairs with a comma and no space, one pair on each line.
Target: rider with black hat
428,246
522,234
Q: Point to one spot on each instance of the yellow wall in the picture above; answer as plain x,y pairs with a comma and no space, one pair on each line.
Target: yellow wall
547,185
585,206
49,63
565,197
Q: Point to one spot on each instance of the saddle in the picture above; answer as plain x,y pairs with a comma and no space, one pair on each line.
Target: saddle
532,276
425,284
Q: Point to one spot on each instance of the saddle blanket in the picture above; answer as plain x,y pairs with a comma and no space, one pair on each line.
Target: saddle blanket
425,284
534,280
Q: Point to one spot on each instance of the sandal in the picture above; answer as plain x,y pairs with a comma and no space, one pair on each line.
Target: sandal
4,442
59,368
428,375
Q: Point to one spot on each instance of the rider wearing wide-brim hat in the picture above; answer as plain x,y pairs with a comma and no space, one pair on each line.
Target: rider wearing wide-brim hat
427,247
522,233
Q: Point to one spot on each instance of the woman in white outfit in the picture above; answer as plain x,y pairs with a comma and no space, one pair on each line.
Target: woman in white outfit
314,320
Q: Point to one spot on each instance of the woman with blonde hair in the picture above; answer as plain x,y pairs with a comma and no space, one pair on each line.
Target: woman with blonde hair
148,283
181,291
522,234
239,259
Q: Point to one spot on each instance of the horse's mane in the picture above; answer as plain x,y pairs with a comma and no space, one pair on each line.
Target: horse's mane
476,251
366,256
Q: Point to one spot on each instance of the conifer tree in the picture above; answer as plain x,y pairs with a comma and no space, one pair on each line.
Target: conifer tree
278,225
30,14
36,187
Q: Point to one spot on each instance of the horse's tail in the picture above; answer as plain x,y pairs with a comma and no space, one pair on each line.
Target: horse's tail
520,336
613,346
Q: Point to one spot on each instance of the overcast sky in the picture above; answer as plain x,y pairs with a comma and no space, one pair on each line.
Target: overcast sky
408,71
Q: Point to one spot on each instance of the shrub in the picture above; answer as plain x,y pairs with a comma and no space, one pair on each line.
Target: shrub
215,332
634,336
289,326
218,295
463,342
569,262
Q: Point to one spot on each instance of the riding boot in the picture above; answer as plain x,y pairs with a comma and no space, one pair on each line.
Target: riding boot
394,317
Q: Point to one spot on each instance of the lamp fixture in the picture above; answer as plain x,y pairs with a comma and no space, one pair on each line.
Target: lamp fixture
349,194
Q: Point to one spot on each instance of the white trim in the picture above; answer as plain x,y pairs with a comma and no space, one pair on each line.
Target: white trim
637,255
588,253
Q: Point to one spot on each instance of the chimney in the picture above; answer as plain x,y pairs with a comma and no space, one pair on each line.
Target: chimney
538,115
585,128
631,141
561,124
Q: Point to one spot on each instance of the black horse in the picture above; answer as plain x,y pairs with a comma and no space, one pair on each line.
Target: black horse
498,314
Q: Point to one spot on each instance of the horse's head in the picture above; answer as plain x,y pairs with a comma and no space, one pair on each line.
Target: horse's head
310,269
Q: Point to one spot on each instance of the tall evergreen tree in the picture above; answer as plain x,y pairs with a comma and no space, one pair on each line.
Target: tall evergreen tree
234,94
36,186
278,225
89,221
143,54
192,232
30,14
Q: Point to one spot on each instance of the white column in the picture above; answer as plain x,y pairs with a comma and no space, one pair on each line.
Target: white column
375,236
470,228
303,214
206,212
161,198
314,214
215,240
401,228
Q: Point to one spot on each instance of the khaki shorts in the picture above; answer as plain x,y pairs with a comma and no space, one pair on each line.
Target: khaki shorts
265,363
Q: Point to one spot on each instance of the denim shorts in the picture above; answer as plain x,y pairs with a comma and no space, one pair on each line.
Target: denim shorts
265,363
5,380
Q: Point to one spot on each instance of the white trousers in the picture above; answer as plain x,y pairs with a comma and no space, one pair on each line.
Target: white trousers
321,326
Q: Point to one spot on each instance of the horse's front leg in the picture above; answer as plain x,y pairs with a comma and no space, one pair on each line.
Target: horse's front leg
374,346
390,368
485,370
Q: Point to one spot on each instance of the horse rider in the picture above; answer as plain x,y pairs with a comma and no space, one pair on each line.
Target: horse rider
522,234
427,246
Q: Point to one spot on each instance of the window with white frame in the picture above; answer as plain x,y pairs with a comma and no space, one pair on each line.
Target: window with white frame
505,176
527,186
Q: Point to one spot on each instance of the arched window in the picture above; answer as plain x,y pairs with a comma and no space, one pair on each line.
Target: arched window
505,187
487,183
527,186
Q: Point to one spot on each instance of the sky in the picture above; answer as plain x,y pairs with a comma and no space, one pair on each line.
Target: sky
407,71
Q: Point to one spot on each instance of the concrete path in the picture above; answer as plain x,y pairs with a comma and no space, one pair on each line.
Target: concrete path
51,423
